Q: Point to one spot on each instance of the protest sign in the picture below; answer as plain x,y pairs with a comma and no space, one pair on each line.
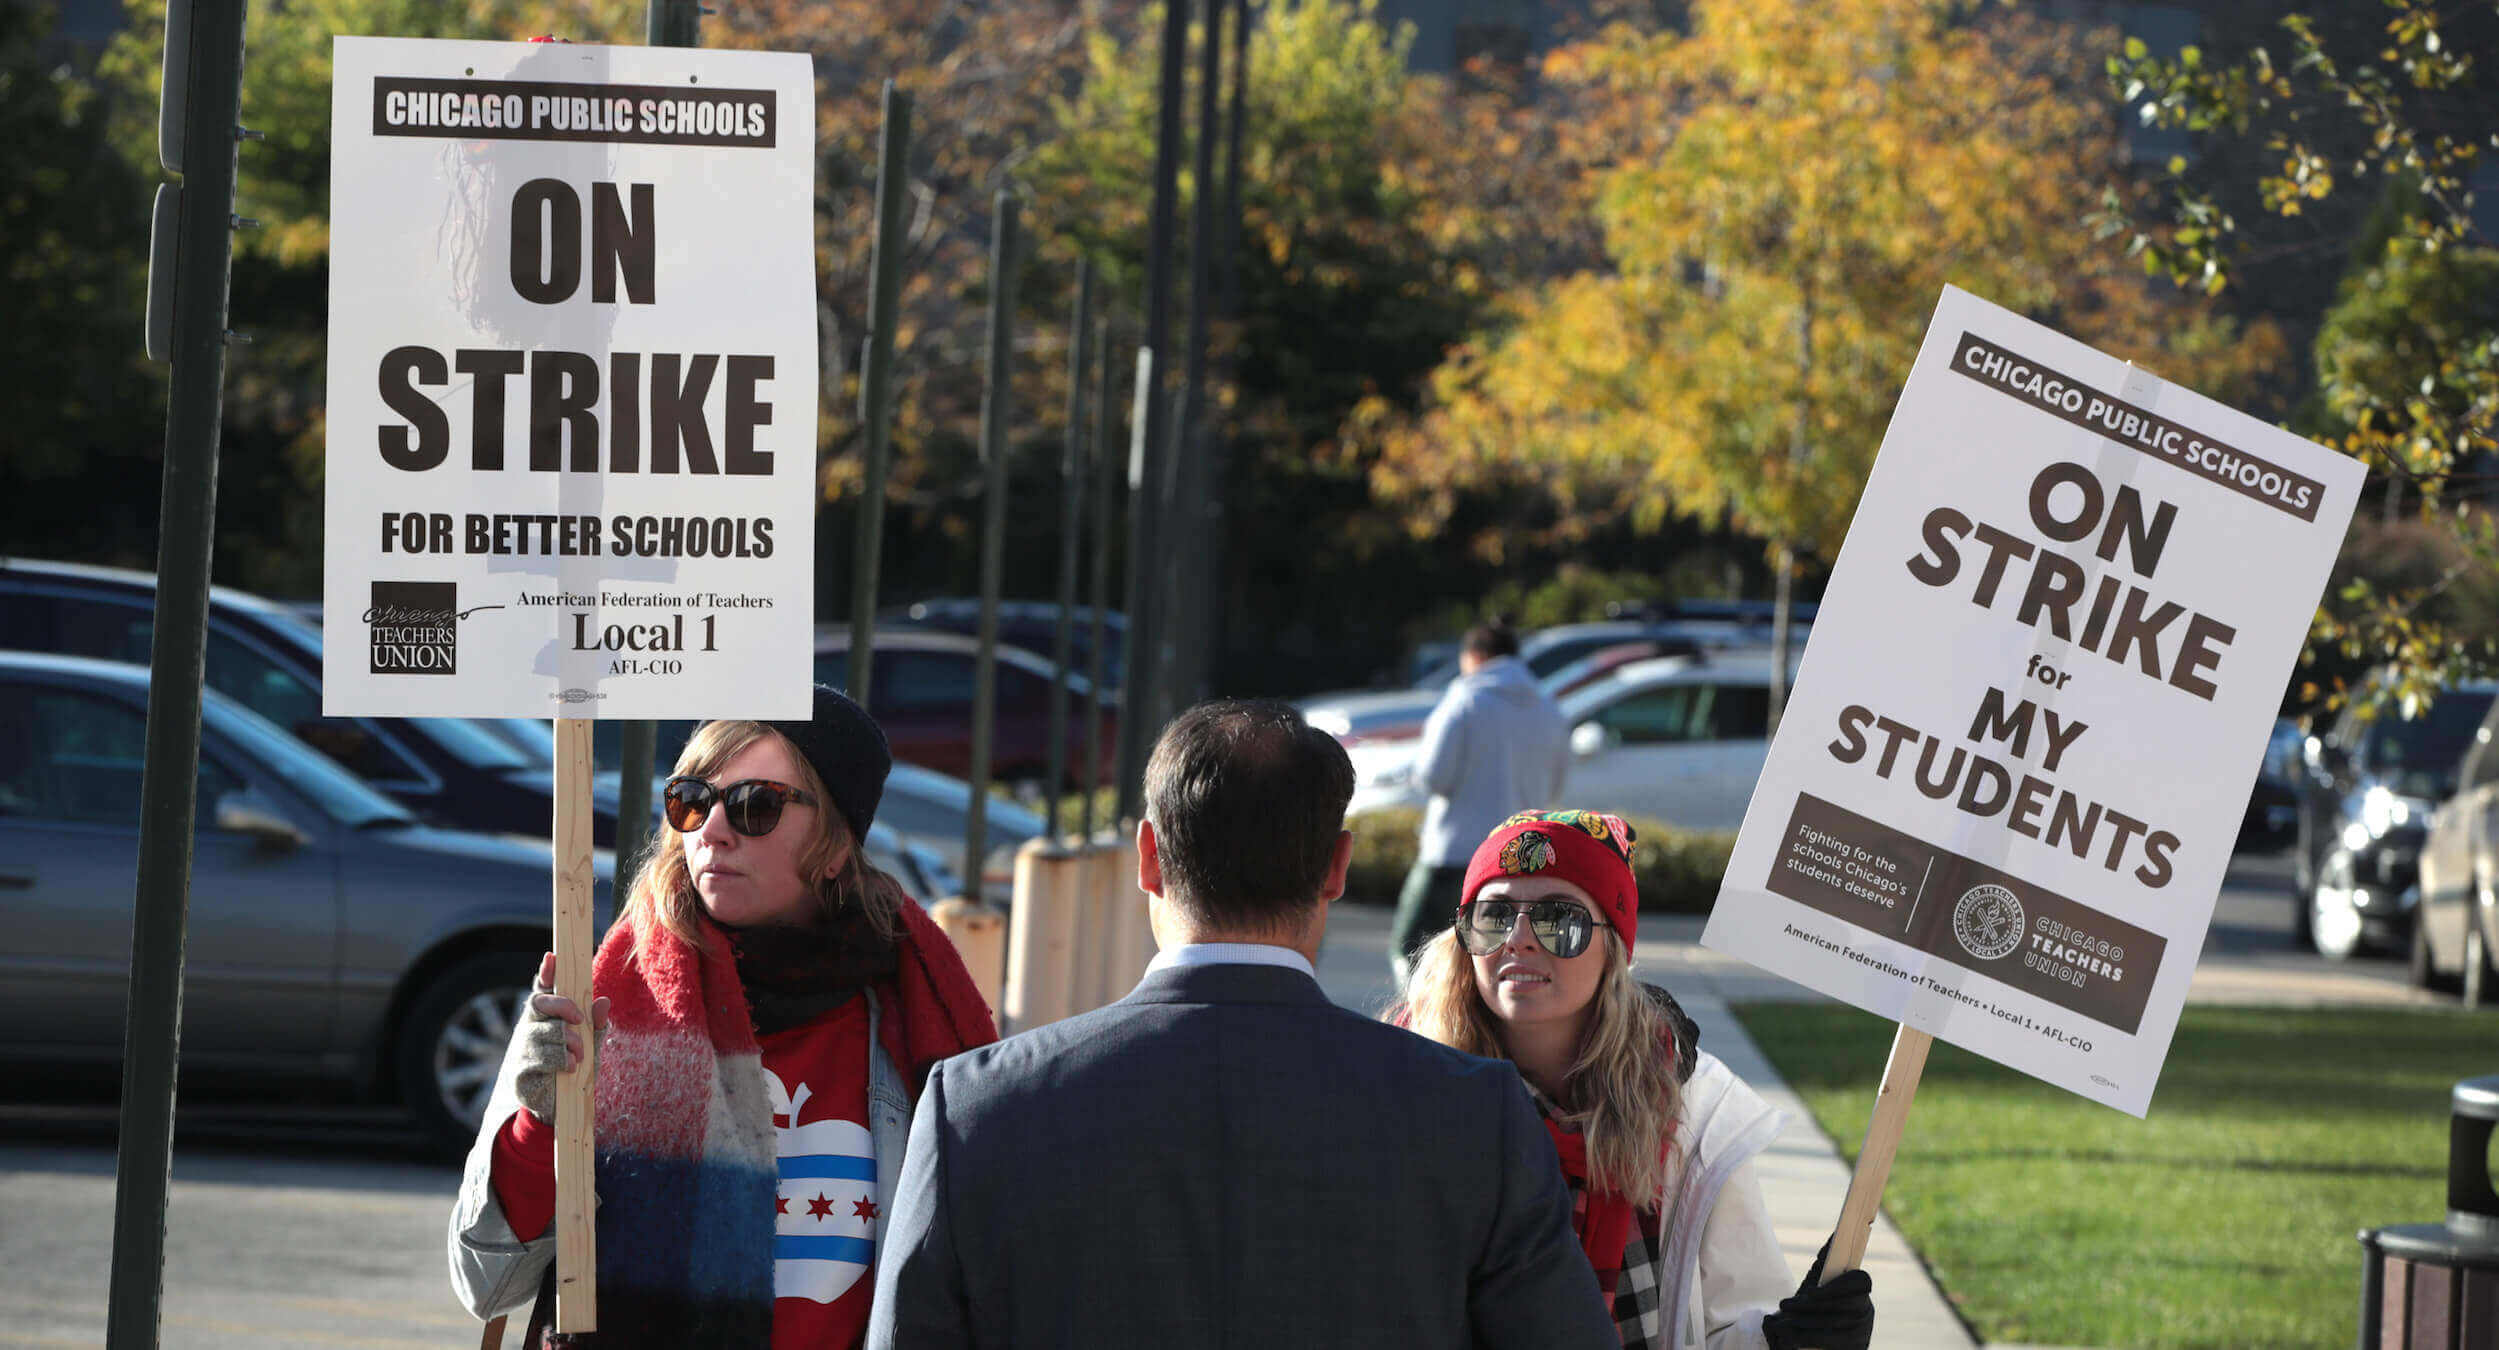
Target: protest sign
572,381
2006,786
572,420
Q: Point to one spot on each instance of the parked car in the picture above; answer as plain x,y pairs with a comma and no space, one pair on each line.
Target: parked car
1679,739
458,772
2457,928
2272,819
1356,716
1032,626
2369,785
330,934
1549,649
920,690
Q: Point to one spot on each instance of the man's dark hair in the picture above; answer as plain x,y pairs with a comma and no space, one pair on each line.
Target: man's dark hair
1492,638
1247,800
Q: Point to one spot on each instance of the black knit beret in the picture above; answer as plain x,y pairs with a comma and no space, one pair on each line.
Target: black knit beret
847,750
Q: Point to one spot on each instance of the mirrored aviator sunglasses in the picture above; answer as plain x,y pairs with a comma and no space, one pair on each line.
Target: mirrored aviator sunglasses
1561,927
754,804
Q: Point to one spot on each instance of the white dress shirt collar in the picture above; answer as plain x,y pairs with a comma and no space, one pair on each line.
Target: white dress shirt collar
1231,954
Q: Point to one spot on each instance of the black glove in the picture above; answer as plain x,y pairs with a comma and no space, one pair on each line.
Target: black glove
1838,1315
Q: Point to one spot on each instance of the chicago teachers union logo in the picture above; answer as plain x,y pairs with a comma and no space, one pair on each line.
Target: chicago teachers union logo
1987,922
416,627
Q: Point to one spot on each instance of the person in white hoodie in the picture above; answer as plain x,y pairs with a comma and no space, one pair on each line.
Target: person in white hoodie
1494,746
1655,1136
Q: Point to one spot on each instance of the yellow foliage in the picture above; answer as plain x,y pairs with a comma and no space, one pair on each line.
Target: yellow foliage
1783,193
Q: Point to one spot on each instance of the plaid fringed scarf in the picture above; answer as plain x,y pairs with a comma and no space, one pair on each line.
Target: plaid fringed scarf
1620,1241
686,1155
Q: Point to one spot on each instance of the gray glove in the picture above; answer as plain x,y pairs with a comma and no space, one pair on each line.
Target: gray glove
540,1047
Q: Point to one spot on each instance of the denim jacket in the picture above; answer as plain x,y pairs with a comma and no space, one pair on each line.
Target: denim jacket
493,1272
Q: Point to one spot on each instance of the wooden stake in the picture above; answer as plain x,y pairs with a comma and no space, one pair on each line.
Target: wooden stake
1874,1161
576,1241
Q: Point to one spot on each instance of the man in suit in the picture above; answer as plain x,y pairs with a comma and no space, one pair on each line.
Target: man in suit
1224,1158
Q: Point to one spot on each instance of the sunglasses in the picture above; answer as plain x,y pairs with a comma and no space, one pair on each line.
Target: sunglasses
754,803
1561,927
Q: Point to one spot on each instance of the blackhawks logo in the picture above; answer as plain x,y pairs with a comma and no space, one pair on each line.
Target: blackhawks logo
1530,852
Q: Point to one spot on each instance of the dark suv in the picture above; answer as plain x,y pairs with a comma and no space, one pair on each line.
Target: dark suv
2370,785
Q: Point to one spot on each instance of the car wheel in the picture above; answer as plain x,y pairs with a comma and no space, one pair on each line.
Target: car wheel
2332,909
2481,979
2422,970
451,1044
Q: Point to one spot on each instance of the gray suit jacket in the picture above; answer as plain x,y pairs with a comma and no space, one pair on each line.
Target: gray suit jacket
1224,1158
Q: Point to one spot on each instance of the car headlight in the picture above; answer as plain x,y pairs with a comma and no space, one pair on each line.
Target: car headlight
2381,810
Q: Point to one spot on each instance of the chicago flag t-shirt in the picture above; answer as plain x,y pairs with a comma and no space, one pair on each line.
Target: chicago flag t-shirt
825,1218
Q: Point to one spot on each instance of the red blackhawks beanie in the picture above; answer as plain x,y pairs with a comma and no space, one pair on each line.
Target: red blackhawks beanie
1589,850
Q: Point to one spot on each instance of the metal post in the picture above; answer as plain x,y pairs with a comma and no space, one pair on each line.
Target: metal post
1105,502
1071,531
637,753
893,173
673,23
998,388
666,23
1148,433
1191,489
1227,308
211,97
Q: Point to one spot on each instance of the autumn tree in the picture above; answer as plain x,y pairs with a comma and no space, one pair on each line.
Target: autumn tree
1783,192
2407,360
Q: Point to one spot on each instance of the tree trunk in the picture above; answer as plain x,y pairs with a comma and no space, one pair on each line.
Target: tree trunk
1784,568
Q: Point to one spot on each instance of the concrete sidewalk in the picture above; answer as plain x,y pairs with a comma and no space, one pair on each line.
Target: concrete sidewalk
1802,1176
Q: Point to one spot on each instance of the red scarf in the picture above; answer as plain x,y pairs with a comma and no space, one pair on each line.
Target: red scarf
1604,1222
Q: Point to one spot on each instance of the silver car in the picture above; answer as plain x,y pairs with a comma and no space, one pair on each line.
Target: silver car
2456,931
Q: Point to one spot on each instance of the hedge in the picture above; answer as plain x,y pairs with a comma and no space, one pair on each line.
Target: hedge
1678,870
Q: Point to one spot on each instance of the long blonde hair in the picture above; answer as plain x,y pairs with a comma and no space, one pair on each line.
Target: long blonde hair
1621,1090
664,897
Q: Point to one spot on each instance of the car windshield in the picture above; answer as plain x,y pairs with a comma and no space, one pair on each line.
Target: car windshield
304,635
473,744
340,795
1590,699
2419,757
531,738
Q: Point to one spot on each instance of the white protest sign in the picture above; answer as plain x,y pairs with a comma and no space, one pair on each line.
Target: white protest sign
572,381
2007,783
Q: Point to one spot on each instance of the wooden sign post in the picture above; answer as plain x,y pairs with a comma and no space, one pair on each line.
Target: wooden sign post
576,1239
1874,1159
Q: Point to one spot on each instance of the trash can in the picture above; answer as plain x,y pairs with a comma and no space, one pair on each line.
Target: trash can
2429,1286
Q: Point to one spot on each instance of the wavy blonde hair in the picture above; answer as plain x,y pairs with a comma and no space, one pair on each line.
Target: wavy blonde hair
664,898
1621,1090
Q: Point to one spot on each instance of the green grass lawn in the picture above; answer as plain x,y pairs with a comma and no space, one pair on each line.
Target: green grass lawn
2224,1220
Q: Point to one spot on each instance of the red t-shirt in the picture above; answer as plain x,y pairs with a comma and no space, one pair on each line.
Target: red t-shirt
826,1216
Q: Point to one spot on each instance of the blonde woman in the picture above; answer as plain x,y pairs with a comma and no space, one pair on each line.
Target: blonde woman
1655,1137
769,1005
